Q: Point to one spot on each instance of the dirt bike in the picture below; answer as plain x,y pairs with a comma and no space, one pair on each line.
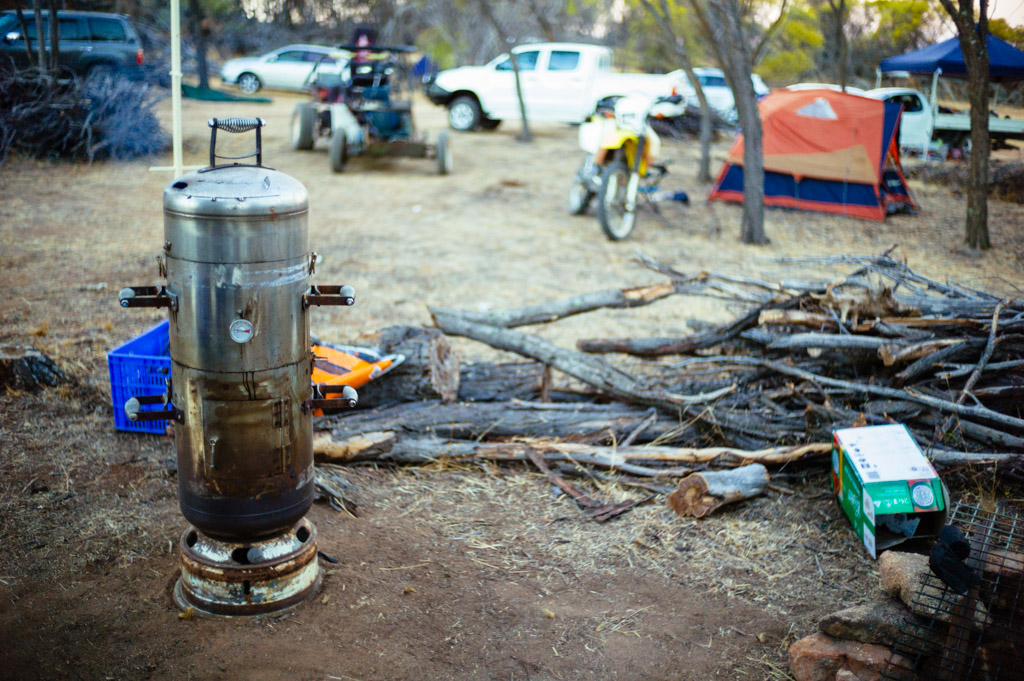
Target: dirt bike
621,148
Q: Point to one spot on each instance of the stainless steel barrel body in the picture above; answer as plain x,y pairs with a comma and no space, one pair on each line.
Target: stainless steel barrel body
237,260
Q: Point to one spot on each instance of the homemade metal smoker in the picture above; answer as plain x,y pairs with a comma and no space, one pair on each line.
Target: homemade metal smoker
238,269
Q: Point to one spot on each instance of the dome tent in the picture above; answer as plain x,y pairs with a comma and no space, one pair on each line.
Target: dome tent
824,151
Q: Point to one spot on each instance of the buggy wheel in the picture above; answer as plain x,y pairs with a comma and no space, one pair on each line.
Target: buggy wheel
249,83
489,123
464,113
303,120
616,221
444,154
338,151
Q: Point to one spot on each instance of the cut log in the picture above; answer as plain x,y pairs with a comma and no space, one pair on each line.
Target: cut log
23,367
702,493
358,447
430,370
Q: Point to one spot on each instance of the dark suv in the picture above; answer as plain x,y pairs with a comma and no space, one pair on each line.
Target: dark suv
91,43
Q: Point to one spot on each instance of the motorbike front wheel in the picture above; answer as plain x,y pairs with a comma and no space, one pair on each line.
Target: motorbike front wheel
580,193
616,221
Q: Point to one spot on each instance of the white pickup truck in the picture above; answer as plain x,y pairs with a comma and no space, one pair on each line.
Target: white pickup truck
561,82
924,122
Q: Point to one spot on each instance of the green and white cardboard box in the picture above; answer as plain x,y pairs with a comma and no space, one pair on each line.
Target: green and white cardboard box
886,486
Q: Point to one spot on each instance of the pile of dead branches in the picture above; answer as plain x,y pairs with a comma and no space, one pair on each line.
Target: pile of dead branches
880,344
67,118
1006,178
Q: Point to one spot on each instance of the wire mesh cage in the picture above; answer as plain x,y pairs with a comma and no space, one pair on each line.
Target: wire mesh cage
977,635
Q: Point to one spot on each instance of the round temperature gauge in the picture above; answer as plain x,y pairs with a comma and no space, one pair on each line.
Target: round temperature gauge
241,331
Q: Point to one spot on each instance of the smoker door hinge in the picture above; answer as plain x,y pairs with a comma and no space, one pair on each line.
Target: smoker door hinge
133,409
349,397
329,294
148,296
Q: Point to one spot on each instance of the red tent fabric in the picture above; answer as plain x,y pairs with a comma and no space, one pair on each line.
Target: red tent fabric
824,151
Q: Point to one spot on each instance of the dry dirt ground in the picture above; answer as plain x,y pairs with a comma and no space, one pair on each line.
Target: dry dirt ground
461,573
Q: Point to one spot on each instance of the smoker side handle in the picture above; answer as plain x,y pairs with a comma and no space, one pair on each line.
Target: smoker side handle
329,294
133,409
349,397
147,296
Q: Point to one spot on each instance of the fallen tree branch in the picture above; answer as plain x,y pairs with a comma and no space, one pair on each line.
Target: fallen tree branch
591,508
397,448
982,413
590,370
986,355
566,307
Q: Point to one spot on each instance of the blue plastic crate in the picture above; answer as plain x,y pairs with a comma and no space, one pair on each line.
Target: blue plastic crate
142,366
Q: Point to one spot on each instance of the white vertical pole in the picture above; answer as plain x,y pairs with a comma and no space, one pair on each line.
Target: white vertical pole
176,85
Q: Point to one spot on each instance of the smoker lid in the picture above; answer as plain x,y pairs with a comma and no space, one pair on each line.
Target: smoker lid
240,191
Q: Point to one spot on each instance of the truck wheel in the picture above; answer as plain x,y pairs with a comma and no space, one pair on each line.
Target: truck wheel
444,154
616,221
338,151
249,83
489,123
303,120
464,113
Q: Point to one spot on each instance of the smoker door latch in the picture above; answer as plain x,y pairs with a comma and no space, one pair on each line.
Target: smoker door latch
133,409
329,294
348,398
148,296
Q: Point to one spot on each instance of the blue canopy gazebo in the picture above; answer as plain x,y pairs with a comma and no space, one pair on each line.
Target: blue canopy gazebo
1006,62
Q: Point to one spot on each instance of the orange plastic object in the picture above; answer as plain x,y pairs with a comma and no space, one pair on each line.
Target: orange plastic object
352,366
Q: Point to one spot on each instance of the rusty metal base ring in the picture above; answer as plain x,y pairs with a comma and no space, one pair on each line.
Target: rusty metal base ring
247,578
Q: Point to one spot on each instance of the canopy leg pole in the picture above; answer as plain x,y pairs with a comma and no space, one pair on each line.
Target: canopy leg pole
176,86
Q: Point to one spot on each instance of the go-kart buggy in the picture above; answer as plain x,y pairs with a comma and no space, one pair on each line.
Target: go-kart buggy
353,107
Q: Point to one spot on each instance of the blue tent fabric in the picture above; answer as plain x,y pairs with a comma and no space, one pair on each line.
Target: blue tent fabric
1006,62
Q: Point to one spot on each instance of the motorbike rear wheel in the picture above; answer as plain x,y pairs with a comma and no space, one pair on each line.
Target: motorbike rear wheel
616,221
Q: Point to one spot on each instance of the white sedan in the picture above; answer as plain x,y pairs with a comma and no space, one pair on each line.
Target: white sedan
288,67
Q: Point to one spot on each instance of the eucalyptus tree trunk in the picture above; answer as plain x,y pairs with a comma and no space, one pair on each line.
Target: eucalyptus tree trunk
37,8
681,48
525,135
54,39
733,45
973,35
24,33
199,41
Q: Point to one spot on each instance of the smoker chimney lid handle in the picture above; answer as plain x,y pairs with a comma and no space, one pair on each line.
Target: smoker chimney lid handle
236,124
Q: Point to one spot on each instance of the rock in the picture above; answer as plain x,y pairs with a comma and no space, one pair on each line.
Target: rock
820,657
902,574
878,622
1004,563
905,576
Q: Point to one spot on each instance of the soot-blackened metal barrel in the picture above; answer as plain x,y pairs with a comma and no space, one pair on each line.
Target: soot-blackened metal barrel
238,262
